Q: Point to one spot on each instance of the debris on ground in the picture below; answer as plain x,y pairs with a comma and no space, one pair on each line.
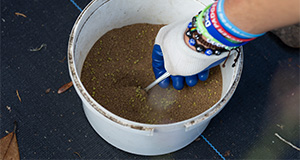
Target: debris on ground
8,108
65,87
287,142
48,90
18,95
39,48
20,14
9,146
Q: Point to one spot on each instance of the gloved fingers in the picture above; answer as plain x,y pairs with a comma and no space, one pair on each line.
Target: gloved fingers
178,82
158,65
157,61
203,75
191,80
164,83
157,54
157,58
158,51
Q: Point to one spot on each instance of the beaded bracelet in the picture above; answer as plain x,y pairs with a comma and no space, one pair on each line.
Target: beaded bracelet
220,29
213,31
232,29
195,36
202,27
213,50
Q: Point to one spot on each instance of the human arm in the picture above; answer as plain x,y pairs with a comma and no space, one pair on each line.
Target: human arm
251,18
259,16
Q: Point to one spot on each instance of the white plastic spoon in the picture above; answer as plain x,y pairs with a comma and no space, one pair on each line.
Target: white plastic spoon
162,77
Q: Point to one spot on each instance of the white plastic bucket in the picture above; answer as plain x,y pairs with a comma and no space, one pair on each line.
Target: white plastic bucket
99,17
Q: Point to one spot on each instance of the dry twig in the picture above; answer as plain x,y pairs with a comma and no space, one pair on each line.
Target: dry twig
38,49
20,14
77,154
18,95
62,61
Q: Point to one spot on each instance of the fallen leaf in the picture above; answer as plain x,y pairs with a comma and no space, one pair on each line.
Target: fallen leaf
20,14
65,87
9,146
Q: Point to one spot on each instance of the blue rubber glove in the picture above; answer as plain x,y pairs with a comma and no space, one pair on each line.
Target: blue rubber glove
178,81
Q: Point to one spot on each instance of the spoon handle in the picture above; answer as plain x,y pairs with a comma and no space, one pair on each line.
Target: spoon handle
162,77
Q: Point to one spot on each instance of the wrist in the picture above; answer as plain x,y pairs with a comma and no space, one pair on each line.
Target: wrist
259,16
246,19
228,24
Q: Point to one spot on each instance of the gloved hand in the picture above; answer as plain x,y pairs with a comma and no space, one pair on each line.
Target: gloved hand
178,81
171,54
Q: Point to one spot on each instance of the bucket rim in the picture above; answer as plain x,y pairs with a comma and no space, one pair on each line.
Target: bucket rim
86,97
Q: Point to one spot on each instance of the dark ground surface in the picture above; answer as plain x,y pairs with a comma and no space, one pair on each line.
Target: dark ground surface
54,126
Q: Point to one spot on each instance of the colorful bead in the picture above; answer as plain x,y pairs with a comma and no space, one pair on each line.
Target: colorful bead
190,25
197,36
193,29
199,48
192,41
193,37
208,52
217,52
188,33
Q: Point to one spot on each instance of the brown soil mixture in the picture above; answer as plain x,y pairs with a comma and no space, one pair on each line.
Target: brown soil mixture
118,67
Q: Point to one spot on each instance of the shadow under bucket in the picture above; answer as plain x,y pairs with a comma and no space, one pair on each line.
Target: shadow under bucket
101,16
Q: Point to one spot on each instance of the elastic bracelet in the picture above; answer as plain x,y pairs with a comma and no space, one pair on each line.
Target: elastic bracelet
202,30
232,29
213,32
220,29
